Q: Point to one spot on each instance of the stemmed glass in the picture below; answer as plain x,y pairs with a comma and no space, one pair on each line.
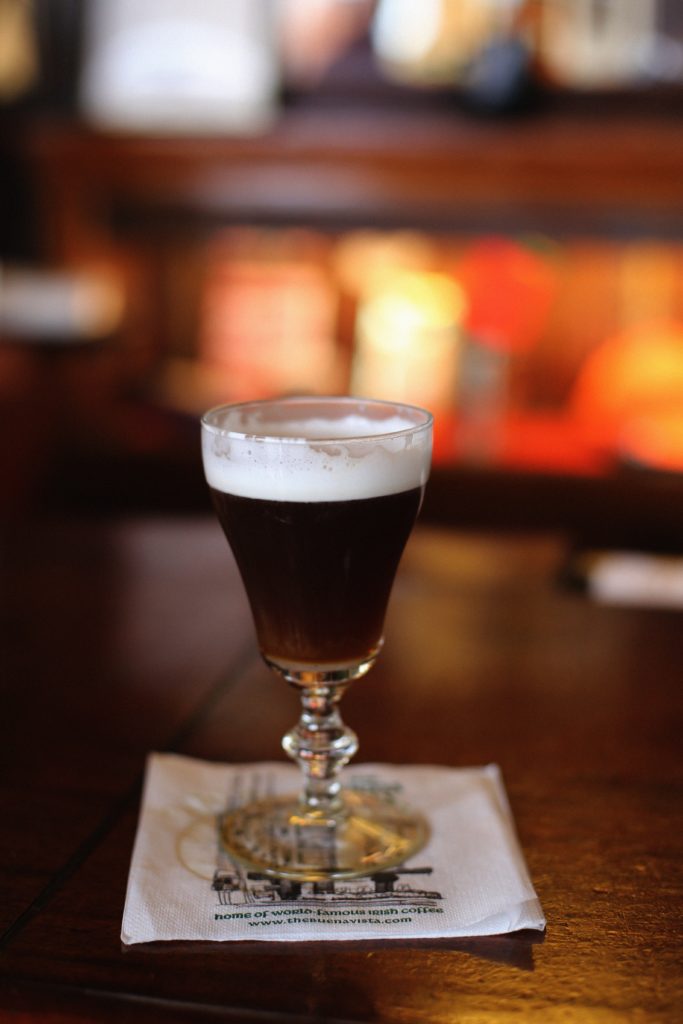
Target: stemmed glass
317,498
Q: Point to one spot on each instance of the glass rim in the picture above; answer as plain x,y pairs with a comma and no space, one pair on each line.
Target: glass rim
244,435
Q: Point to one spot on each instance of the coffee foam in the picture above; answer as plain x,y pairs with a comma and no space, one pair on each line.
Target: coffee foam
338,460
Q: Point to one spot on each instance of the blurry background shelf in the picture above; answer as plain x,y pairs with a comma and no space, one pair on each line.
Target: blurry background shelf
579,188
606,170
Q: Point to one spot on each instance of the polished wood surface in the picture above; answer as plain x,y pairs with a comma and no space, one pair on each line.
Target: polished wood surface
122,637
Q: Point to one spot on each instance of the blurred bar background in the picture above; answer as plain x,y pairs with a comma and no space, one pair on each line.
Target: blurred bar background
478,209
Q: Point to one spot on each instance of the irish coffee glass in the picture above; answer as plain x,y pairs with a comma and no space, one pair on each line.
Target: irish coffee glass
317,498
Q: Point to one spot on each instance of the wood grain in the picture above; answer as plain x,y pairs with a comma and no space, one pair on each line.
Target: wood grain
487,658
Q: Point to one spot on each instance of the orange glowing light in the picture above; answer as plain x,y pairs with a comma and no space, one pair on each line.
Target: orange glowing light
656,441
510,289
633,380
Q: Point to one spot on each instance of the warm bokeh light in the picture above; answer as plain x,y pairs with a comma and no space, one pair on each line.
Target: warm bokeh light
408,340
510,288
268,324
431,42
656,441
629,391
367,261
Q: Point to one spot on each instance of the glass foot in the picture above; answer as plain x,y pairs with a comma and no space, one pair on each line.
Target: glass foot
280,838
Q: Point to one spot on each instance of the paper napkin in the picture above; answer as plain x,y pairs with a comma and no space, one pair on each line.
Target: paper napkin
469,880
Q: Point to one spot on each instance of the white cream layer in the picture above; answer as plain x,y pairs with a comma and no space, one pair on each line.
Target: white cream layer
350,467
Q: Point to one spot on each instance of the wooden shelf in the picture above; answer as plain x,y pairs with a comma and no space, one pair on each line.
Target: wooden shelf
564,171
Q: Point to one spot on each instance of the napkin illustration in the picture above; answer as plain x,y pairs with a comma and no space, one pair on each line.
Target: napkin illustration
470,879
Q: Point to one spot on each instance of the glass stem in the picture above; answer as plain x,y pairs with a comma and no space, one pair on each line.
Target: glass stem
321,745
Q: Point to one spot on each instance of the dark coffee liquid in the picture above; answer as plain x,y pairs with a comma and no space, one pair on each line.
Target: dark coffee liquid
318,574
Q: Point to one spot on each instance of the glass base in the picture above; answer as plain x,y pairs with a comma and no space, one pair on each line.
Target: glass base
365,834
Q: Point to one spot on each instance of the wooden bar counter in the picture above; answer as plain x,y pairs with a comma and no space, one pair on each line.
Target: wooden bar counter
132,635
